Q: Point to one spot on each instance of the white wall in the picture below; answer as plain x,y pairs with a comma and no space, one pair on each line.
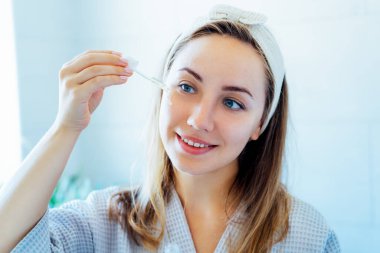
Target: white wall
332,58
10,152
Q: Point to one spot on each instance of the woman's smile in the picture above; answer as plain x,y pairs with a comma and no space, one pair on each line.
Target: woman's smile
193,146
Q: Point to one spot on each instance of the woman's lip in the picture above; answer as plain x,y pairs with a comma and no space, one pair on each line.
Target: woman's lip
193,150
195,140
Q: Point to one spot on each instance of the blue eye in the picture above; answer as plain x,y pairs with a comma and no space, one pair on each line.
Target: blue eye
232,104
187,88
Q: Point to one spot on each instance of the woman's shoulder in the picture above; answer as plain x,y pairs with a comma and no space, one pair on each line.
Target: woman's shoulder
305,216
308,230
97,203
95,199
104,195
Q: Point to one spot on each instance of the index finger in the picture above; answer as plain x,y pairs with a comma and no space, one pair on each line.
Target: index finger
95,57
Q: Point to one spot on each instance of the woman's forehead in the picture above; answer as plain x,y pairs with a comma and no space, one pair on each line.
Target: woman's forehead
224,56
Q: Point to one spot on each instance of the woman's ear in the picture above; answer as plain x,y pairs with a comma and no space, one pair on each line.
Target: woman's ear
255,135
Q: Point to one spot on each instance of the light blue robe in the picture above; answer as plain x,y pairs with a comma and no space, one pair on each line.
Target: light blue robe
83,226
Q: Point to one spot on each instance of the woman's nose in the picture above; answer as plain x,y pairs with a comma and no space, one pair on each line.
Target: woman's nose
202,117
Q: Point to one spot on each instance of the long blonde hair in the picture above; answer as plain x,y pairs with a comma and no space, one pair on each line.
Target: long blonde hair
141,211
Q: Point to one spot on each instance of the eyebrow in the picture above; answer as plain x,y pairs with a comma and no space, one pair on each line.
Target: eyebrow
193,73
236,88
225,88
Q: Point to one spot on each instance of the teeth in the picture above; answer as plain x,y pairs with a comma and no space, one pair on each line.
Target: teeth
194,144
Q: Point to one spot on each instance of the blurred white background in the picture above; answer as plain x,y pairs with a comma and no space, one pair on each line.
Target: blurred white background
10,148
332,60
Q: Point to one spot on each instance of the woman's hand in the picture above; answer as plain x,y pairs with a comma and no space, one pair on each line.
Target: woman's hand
82,83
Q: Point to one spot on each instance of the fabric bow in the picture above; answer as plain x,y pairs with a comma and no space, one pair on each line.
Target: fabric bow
236,15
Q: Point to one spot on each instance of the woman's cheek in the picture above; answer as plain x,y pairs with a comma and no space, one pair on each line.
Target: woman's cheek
169,111
177,109
237,132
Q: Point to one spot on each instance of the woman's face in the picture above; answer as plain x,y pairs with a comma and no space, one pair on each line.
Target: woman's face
214,104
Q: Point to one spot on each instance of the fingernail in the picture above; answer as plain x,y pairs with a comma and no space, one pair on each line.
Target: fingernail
117,53
128,70
123,77
124,61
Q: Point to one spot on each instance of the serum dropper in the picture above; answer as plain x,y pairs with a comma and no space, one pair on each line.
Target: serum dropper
132,63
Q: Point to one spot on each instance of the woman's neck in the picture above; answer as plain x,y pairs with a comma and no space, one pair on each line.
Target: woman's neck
206,193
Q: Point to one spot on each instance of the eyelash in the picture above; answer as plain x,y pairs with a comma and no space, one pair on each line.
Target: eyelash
182,85
241,106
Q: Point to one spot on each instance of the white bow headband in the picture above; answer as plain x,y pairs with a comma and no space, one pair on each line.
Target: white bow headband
264,38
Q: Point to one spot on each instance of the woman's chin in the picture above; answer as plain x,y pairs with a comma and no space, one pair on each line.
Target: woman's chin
190,170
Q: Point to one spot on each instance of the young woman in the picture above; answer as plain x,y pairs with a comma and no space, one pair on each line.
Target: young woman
217,144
